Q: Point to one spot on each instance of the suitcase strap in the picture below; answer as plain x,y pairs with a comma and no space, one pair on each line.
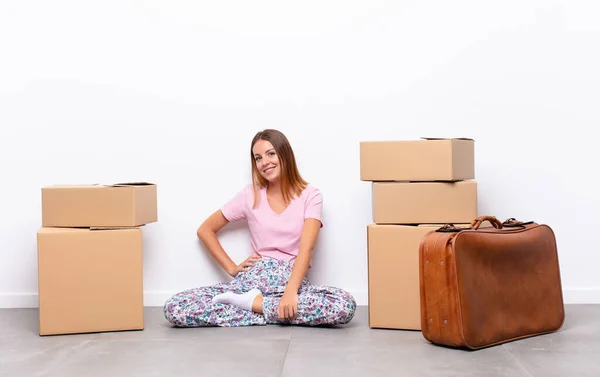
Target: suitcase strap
508,223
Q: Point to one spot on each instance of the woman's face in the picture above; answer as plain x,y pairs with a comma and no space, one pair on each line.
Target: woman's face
267,161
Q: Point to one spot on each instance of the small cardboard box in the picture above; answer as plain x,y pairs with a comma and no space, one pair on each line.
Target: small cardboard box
424,202
393,275
118,205
429,159
90,280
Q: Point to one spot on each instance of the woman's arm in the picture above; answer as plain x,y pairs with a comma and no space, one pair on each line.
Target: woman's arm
308,239
288,305
207,232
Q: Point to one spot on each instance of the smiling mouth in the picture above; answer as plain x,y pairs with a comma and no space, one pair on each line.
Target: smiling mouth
267,171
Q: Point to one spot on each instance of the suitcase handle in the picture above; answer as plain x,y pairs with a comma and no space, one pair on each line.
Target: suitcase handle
491,219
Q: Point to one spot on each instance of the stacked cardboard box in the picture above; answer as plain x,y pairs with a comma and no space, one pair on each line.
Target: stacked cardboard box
417,186
90,257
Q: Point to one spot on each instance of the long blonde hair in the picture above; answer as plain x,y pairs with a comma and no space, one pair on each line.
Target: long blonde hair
291,182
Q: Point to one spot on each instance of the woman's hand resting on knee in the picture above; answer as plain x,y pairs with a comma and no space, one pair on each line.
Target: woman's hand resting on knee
288,306
243,267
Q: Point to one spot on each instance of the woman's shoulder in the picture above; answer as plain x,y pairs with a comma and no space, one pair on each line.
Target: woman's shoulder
248,188
311,192
311,189
237,207
246,192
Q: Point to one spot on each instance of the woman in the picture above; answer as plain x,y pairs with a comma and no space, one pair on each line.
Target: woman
284,217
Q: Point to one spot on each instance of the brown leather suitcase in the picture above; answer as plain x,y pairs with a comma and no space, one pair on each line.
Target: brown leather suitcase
483,286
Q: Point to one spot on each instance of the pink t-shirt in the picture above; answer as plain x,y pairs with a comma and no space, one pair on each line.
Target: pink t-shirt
275,235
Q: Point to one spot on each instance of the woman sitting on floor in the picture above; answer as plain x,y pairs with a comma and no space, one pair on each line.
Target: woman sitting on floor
284,218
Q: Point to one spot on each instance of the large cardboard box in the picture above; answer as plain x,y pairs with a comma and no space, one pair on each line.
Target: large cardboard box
118,205
428,159
393,275
424,202
90,280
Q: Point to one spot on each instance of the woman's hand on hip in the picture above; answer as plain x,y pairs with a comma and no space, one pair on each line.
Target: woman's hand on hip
288,306
245,265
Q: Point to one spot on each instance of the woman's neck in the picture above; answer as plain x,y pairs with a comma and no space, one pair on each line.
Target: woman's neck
274,188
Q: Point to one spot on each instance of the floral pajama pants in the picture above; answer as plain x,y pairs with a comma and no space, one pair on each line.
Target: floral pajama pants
317,305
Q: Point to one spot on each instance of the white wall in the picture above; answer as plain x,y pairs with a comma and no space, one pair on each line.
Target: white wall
172,92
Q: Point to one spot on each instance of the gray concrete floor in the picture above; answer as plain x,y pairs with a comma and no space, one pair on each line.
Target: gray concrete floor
352,350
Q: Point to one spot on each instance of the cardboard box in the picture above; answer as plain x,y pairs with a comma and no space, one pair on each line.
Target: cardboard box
424,202
393,275
118,205
90,280
428,159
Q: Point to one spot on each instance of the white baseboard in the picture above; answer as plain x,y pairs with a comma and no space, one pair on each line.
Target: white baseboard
30,300
18,300
157,298
581,295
